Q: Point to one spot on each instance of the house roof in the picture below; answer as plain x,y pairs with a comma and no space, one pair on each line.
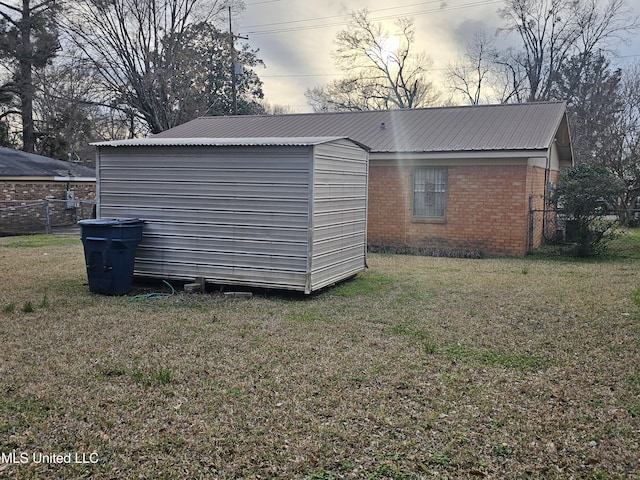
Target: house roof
16,163
528,126
221,142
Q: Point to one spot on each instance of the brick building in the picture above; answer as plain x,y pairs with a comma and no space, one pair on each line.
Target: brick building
464,178
37,193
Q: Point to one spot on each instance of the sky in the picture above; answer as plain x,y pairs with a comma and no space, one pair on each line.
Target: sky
295,38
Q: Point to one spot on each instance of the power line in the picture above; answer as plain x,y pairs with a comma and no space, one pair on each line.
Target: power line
481,3
291,75
337,16
258,3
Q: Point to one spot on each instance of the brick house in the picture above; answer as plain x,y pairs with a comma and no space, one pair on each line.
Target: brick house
38,192
465,178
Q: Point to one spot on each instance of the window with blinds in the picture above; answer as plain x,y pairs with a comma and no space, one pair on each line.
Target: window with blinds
429,192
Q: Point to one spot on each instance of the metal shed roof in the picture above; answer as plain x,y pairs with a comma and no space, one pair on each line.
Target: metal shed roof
222,142
529,126
16,163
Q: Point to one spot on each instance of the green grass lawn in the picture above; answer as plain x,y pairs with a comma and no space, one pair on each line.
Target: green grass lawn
417,368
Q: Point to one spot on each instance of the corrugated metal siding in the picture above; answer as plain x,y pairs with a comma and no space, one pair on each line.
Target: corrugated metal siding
339,212
226,214
233,215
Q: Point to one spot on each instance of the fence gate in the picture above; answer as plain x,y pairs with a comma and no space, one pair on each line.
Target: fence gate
545,226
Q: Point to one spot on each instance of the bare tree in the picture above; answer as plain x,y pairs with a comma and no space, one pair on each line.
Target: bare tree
28,40
480,76
381,69
512,77
553,31
147,51
67,109
469,75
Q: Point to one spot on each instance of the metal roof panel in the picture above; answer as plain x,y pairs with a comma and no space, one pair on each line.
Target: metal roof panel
529,126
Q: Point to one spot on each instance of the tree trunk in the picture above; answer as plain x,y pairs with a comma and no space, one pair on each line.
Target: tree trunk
26,80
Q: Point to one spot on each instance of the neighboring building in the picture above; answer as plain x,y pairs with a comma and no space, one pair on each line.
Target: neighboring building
464,178
38,192
284,213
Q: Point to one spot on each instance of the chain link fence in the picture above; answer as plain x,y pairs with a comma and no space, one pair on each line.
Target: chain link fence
43,216
553,231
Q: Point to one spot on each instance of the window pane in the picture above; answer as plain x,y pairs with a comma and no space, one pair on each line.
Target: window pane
429,192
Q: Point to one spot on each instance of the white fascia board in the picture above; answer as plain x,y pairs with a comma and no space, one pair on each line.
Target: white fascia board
74,179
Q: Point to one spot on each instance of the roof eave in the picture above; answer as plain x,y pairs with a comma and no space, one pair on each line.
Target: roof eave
45,178
291,141
462,154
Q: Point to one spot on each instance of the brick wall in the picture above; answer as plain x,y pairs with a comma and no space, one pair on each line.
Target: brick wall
389,198
487,209
23,210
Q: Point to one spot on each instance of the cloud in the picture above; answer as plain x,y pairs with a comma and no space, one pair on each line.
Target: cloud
463,33
298,57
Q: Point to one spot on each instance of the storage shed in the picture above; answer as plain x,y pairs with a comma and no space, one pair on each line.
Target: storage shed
284,213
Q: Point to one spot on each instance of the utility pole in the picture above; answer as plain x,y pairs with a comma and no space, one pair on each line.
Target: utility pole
234,67
234,93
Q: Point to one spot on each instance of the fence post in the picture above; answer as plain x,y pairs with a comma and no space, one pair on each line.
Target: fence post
47,218
531,225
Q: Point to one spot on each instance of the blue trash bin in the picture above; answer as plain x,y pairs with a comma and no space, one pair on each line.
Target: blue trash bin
110,253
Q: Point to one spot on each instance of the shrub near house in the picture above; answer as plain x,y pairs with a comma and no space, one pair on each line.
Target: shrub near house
585,193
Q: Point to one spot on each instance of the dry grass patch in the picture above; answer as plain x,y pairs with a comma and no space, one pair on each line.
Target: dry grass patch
417,368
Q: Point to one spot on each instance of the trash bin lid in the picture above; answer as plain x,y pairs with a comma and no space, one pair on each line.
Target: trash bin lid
107,222
126,221
98,222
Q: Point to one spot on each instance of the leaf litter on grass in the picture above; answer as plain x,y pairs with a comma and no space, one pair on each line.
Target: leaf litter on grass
418,368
